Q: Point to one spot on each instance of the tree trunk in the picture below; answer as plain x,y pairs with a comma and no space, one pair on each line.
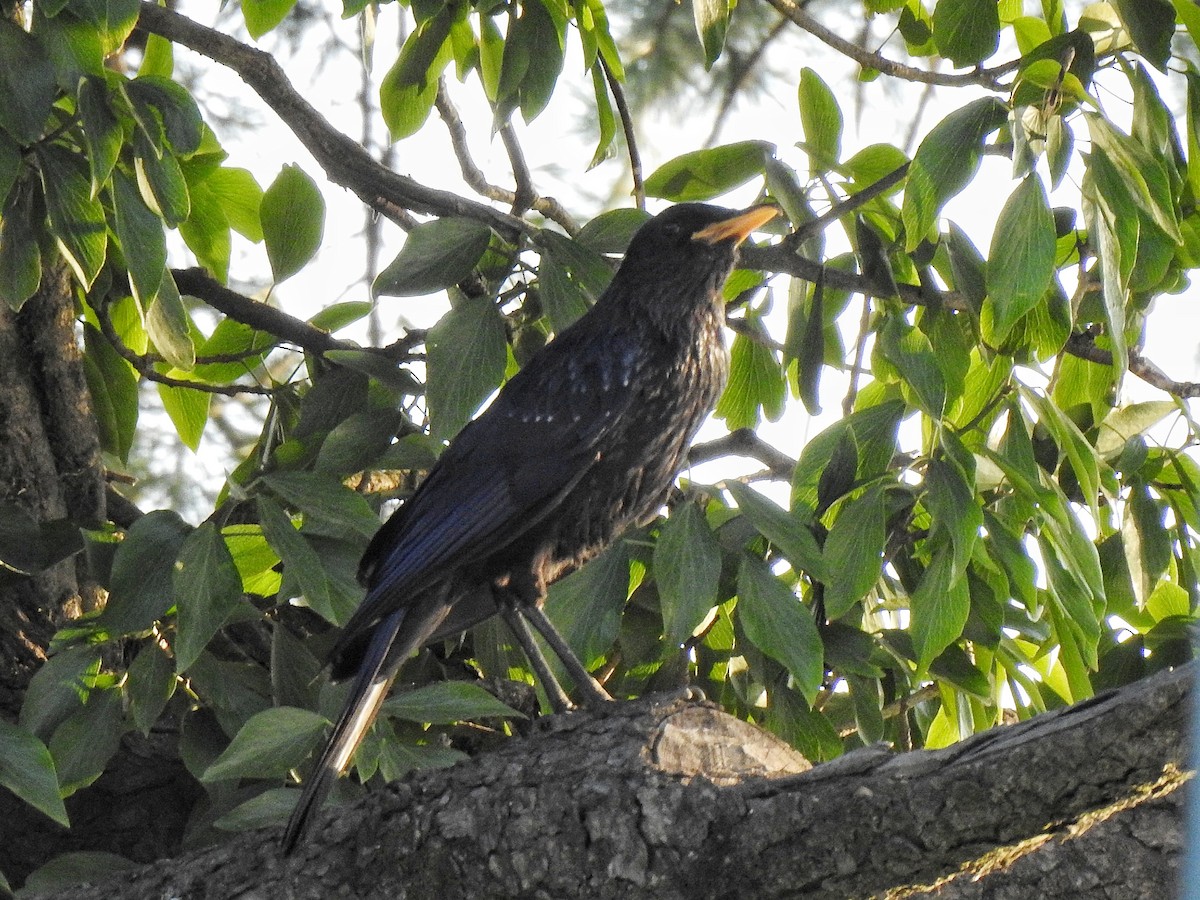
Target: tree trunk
669,799
51,468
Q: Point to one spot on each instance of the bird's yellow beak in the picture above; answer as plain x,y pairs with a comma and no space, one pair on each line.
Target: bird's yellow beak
737,228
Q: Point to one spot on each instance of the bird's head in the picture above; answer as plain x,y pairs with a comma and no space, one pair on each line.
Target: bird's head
683,255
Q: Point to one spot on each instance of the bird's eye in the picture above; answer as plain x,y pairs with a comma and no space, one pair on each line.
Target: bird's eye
672,230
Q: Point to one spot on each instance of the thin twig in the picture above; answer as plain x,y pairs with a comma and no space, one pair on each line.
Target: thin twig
524,194
145,366
631,147
199,284
525,197
860,352
855,201
744,442
988,78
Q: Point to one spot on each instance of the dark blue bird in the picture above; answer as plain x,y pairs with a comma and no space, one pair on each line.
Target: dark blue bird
584,442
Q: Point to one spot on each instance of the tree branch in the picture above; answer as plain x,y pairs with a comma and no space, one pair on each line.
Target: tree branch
626,800
477,181
988,78
744,442
1084,346
631,146
343,159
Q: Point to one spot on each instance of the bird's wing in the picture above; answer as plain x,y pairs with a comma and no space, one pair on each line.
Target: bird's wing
500,476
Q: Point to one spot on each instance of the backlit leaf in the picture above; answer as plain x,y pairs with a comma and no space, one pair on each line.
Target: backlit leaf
293,221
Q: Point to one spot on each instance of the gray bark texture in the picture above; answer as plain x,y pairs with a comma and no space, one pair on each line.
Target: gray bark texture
667,798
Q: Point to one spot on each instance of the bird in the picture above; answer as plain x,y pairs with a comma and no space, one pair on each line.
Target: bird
582,443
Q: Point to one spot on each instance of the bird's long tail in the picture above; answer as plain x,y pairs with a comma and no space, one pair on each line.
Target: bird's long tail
367,693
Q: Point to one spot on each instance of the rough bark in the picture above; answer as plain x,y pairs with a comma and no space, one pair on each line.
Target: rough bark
671,799
49,466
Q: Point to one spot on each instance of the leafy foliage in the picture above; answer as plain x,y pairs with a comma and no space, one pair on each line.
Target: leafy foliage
989,527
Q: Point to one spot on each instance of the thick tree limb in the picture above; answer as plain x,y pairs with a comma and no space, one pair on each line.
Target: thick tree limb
670,800
343,159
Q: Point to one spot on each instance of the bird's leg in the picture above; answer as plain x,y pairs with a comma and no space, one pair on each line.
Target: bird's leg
558,698
592,691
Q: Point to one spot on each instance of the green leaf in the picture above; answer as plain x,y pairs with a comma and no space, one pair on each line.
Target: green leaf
1189,17
604,117
543,33
112,19
687,568
445,703
267,809
158,58
704,174
1151,25
293,221
874,432
1128,422
822,121
26,83
206,231
791,534
405,107
143,243
562,299
779,624
140,592
755,382
421,49
467,355
587,267
182,124
76,217
27,769
1072,442
59,688
20,258
300,560
263,16
1141,176
586,605
945,162
150,682
330,508
69,870
1021,259
161,181
241,199
168,326
84,743
712,21
269,745
1147,542
910,351
207,590
853,552
491,56
951,502
436,255
940,606
101,130
966,31
188,410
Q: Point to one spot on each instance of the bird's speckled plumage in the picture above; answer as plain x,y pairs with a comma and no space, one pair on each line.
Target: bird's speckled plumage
582,443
